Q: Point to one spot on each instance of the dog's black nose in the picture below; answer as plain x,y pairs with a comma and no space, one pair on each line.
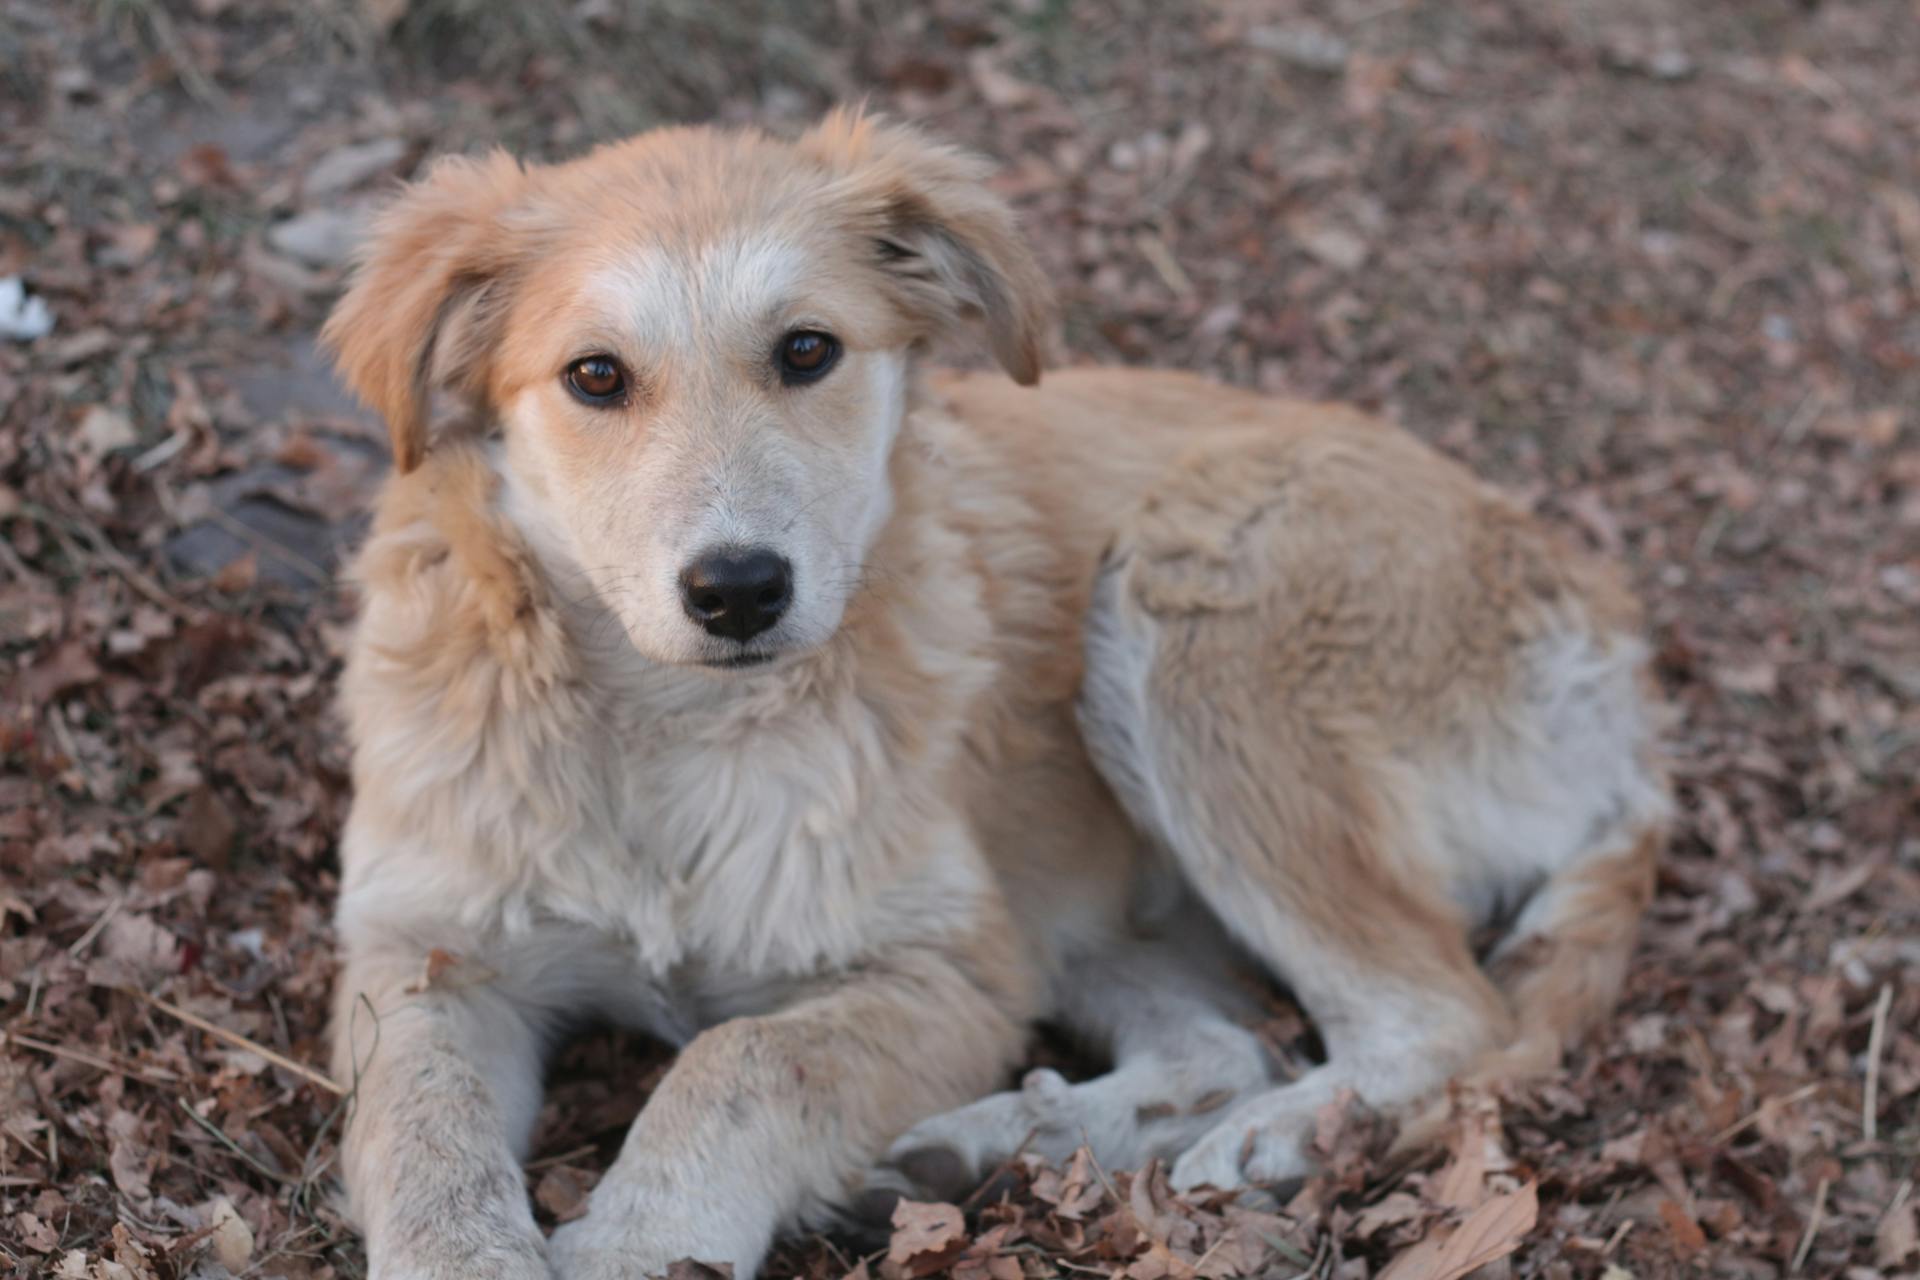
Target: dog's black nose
737,594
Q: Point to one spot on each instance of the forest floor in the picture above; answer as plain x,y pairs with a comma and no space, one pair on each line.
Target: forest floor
1654,267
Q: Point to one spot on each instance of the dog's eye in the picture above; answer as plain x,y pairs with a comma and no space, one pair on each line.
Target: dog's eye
805,354
596,380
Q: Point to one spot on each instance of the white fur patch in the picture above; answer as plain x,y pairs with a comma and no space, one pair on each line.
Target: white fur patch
681,301
1567,778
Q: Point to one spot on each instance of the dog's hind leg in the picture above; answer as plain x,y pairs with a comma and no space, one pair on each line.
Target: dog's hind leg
1361,701
1171,1012
1226,700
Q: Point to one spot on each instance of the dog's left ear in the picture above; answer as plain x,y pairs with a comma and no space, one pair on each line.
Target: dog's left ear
948,246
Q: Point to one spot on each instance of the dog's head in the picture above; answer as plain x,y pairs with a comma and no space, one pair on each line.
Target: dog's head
697,345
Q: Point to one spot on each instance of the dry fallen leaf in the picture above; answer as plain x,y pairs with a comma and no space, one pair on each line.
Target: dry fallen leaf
231,1237
925,1236
688,1269
35,1234
1688,1238
1492,1231
563,1191
1898,1236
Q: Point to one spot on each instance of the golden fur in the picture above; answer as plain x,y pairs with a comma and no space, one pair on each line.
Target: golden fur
1096,695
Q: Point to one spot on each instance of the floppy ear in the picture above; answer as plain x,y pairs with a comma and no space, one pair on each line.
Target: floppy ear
428,296
948,245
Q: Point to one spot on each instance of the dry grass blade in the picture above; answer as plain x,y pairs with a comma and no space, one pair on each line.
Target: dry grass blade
214,1131
973,1197
316,1078
1876,1041
1814,1222
89,1059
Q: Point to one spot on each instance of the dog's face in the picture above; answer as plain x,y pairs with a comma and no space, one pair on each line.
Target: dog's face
698,346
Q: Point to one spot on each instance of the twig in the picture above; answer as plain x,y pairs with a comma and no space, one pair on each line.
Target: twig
10,560
1899,1198
1161,259
1107,1182
135,576
1870,1100
90,1059
1813,1228
545,1162
85,940
1766,1105
97,787
234,1038
235,1147
272,546
966,1206
1203,1259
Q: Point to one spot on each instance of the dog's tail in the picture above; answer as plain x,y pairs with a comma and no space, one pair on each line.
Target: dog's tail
1560,968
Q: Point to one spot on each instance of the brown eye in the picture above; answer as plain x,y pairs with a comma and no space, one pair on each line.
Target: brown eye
596,380
806,354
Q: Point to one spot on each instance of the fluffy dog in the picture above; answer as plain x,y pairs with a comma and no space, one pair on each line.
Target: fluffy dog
725,674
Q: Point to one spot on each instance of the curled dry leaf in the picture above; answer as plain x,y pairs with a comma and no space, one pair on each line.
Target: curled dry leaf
1491,1231
231,1238
1897,1239
925,1236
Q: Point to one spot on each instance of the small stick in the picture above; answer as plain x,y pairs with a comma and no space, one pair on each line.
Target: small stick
85,940
1813,1227
1161,259
234,1038
221,1137
545,1162
90,1059
966,1206
1900,1195
63,735
1766,1104
1870,1100
272,546
135,577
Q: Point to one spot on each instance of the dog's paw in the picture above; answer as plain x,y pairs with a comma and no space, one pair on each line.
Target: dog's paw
947,1156
614,1249
585,1250
1262,1141
516,1260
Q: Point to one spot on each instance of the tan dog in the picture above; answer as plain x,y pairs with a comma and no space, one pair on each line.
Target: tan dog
723,677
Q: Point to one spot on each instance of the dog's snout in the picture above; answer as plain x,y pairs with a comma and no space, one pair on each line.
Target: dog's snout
737,593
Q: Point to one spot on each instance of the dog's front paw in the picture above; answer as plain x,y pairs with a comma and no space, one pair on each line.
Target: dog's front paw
420,1260
613,1249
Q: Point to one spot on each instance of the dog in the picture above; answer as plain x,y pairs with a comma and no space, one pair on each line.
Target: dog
721,671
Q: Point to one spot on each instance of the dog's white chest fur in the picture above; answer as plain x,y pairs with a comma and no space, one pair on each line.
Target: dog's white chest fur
767,826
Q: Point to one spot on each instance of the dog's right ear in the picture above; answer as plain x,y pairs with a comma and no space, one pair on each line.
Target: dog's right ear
428,296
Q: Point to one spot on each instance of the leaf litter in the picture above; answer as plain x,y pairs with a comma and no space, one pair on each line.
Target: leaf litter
1654,267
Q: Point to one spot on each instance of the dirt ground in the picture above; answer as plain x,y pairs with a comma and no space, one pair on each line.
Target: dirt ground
1654,266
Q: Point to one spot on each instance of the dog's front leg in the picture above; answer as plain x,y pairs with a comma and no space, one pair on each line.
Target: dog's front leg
771,1120
446,1079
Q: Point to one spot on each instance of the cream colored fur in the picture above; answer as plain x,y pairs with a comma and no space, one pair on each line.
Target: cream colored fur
1093,699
